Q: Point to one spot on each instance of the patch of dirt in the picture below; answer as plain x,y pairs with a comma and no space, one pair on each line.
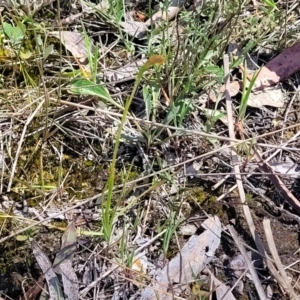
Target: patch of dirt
18,267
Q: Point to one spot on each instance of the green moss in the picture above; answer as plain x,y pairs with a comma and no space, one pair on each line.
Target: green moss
197,194
88,163
59,224
133,175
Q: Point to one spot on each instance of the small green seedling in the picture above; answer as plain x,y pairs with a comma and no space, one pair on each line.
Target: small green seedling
246,93
29,233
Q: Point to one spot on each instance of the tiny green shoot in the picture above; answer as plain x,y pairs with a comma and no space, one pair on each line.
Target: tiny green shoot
246,93
170,225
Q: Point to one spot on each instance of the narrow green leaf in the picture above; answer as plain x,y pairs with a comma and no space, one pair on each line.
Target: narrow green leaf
48,50
147,99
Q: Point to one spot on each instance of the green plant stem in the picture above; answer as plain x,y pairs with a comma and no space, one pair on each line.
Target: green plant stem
107,218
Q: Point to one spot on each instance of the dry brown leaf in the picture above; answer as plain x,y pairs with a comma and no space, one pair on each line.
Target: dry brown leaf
234,88
271,96
140,263
172,11
279,68
70,19
127,71
43,261
134,28
282,66
74,42
187,264
63,263
286,167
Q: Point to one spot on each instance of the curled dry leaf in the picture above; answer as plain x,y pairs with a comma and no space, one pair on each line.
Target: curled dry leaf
74,42
173,10
127,71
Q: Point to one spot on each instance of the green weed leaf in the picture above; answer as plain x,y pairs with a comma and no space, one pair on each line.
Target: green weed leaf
271,4
21,238
147,99
15,34
86,87
48,50
150,95
25,54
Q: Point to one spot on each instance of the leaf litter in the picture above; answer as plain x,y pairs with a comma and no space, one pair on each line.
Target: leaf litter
192,259
82,129
61,268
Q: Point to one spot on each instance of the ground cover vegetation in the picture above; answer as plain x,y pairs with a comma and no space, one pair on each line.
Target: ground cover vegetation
145,153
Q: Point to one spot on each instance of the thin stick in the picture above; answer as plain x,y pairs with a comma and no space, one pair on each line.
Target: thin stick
235,159
252,270
274,253
183,130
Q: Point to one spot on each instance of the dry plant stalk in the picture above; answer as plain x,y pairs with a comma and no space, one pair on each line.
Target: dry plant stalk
250,265
246,209
274,253
235,159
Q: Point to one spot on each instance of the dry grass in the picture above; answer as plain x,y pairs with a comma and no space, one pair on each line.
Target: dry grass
173,166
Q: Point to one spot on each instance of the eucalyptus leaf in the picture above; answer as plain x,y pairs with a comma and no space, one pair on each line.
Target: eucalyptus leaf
54,287
63,263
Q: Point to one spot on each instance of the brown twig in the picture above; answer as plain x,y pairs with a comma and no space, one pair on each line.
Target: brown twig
287,195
